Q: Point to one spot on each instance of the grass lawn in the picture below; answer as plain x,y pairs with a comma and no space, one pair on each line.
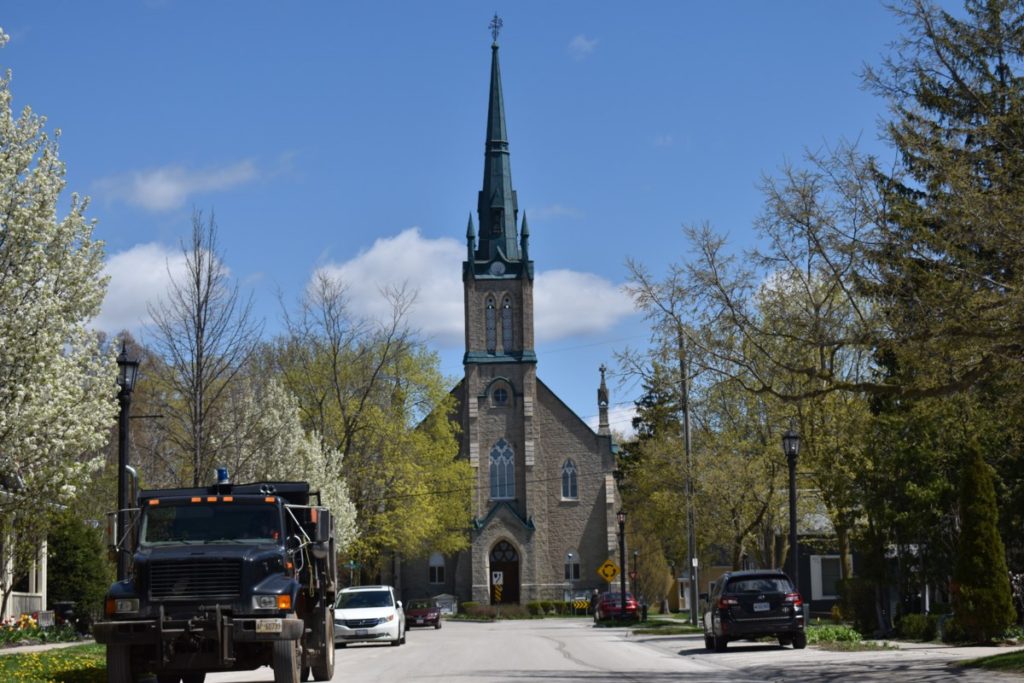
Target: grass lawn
1009,661
665,627
76,664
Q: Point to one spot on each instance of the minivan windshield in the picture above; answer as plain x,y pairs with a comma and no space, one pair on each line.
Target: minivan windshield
249,523
361,599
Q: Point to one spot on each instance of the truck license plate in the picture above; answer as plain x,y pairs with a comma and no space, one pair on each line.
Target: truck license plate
268,626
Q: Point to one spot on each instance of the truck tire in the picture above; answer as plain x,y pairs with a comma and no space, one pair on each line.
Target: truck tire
323,662
119,663
286,661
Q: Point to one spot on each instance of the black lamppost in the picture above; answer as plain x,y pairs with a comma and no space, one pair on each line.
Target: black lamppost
634,575
621,515
791,447
127,371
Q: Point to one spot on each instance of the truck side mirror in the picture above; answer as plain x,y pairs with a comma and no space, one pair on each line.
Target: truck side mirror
324,526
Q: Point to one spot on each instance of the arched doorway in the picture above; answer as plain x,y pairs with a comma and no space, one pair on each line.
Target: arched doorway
504,574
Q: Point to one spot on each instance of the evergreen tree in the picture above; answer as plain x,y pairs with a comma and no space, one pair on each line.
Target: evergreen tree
982,599
77,570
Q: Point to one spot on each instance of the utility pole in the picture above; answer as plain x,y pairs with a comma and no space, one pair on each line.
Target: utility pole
691,536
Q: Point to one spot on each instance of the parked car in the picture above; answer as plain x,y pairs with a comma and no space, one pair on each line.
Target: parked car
422,613
753,604
609,606
368,614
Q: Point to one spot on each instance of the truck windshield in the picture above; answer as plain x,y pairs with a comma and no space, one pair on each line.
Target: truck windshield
210,523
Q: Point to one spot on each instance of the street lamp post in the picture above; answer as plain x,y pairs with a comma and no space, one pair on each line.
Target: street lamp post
127,371
622,560
791,447
635,576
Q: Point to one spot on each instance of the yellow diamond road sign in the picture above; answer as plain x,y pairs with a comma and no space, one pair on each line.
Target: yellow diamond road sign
608,571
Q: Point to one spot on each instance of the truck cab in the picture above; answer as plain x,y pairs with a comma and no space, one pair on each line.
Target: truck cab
222,578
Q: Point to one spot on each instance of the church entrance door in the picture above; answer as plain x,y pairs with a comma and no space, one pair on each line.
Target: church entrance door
504,574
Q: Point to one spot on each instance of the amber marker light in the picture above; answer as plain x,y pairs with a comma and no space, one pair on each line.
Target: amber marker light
284,602
197,499
228,499
268,499
154,501
211,499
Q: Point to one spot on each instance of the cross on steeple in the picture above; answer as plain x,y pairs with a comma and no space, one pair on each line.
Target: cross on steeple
495,26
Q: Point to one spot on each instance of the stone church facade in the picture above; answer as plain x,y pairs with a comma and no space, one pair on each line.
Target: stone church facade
545,499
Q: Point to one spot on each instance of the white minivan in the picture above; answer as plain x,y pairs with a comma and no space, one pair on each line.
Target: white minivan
366,614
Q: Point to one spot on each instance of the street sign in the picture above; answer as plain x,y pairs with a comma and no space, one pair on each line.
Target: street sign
608,571
497,578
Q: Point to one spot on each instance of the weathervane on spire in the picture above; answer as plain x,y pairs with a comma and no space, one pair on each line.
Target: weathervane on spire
495,26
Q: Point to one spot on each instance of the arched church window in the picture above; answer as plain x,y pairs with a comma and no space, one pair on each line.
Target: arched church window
436,568
506,325
503,471
490,322
570,488
504,552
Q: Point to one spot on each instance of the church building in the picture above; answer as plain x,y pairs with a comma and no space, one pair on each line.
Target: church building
545,499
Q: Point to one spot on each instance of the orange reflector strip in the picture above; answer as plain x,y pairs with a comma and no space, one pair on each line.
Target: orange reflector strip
197,499
269,499
313,513
228,499
154,501
211,499
284,602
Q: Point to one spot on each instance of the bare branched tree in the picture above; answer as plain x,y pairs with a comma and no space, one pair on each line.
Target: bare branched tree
206,333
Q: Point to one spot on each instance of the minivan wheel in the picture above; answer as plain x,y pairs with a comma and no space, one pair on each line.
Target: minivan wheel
799,641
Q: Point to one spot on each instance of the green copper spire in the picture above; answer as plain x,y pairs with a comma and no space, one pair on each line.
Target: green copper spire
497,206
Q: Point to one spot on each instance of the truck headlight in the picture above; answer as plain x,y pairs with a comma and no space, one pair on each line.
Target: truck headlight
272,602
122,605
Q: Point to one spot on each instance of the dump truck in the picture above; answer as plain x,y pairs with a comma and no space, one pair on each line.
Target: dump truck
227,577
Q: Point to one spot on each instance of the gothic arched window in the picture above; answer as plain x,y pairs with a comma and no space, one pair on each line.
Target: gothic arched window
503,471
570,488
506,325
490,320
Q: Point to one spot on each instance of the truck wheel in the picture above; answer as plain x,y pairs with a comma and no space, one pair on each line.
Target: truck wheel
323,663
119,663
286,661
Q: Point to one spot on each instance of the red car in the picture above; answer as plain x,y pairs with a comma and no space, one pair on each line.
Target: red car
422,613
609,606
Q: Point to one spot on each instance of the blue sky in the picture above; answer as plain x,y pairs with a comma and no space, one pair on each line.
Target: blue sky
349,136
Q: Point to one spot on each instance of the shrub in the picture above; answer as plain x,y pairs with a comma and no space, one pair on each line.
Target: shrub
535,608
467,606
833,633
918,626
858,603
953,631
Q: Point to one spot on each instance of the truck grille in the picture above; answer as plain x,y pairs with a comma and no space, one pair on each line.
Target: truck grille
195,580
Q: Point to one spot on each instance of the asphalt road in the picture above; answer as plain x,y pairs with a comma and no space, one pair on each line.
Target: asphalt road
559,650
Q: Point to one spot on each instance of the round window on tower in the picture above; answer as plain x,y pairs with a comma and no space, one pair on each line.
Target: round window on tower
500,396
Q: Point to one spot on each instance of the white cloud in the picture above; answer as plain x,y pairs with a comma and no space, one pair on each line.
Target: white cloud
138,277
430,267
565,302
568,303
581,47
160,189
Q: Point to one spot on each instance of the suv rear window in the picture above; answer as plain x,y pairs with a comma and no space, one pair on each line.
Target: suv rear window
759,584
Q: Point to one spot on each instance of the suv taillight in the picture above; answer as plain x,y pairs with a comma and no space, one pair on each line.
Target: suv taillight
726,603
794,599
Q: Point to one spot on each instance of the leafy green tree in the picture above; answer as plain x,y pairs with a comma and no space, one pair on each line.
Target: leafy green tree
372,392
57,382
982,599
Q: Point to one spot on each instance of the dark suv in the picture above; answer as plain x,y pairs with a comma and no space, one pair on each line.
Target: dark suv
752,604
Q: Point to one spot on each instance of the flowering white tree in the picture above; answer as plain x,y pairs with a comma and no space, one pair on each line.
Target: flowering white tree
57,384
260,438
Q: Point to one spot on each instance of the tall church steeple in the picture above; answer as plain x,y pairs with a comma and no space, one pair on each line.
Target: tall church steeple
497,205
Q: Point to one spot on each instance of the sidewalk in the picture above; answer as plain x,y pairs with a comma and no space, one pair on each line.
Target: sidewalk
42,647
